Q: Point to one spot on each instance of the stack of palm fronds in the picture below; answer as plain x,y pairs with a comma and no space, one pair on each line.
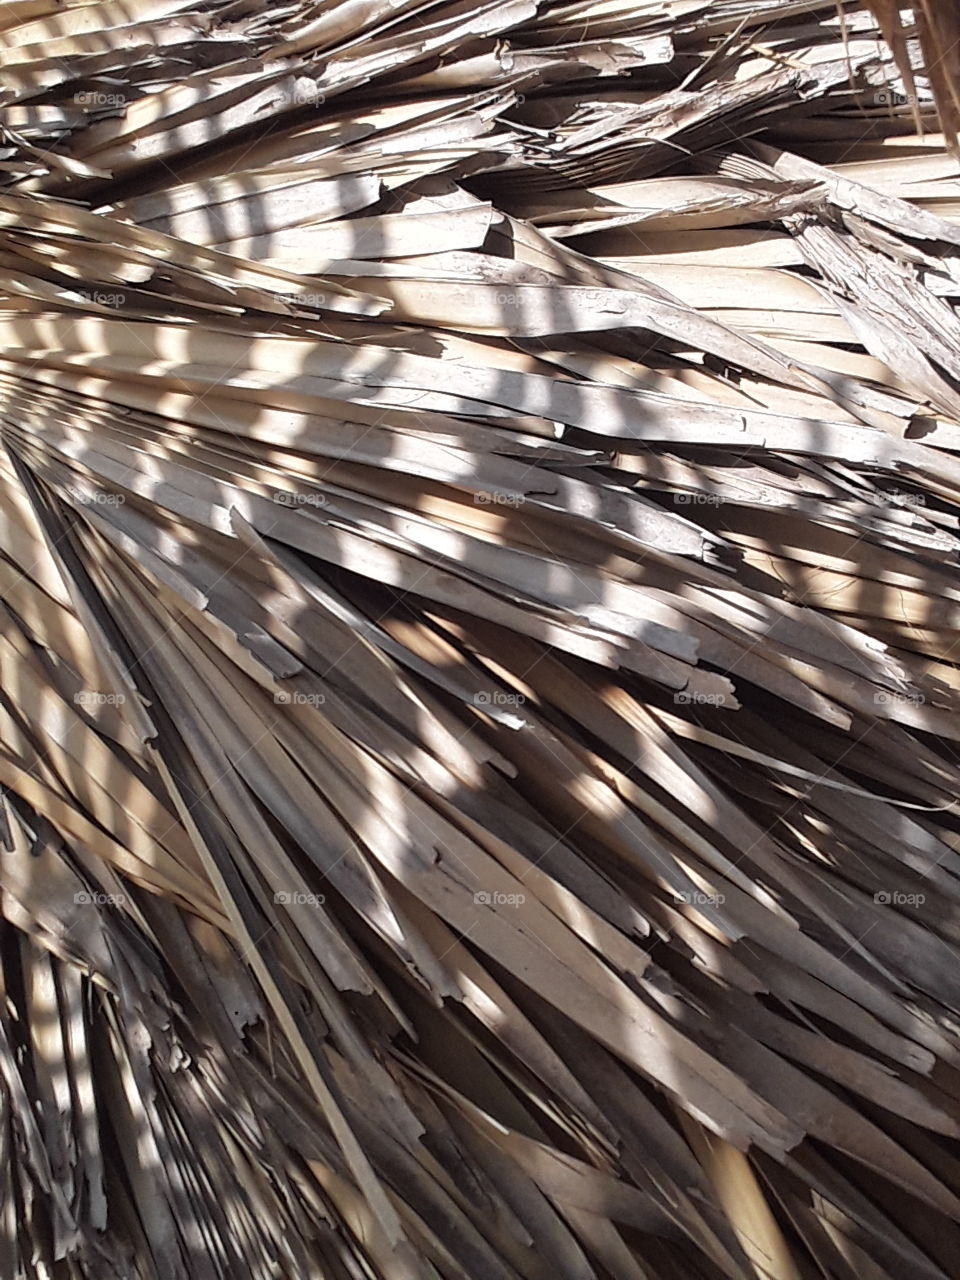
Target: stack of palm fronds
479,667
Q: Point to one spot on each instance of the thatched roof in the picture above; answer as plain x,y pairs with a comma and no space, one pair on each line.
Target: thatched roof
478,640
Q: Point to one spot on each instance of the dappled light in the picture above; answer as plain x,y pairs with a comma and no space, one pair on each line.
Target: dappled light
479,518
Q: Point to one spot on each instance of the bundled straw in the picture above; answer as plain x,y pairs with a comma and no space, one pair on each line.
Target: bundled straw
478,646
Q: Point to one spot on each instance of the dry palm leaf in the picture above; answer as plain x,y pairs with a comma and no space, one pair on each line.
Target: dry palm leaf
479,512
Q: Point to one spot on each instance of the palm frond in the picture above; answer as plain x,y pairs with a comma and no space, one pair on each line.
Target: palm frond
479,514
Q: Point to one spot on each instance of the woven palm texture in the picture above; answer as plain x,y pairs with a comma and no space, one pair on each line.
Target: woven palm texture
479,641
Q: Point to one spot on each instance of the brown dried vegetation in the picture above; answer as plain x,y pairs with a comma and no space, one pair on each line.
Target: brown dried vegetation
478,640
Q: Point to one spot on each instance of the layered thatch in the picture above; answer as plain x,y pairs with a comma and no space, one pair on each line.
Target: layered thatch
478,643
